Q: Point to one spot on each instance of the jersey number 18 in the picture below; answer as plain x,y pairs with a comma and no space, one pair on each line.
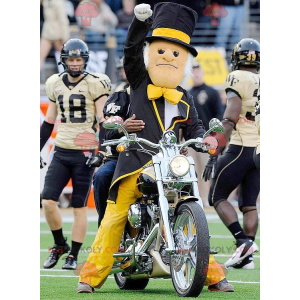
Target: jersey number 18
73,108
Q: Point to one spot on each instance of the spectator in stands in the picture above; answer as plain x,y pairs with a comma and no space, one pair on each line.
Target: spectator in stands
208,105
115,5
231,24
126,14
207,100
71,7
41,17
55,28
105,20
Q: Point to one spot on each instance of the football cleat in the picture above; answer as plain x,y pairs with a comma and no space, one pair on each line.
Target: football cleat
70,264
245,248
84,288
222,286
246,263
56,253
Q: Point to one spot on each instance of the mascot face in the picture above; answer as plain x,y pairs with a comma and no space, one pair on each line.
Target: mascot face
167,62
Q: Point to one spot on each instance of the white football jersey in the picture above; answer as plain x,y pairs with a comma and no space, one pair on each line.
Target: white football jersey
76,109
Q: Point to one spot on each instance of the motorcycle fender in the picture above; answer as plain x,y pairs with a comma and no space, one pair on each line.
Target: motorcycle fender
185,199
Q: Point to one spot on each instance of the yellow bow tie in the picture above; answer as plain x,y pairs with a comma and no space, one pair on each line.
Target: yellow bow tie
171,95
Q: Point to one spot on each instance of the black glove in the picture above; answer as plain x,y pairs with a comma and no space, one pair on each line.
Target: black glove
42,163
95,161
210,168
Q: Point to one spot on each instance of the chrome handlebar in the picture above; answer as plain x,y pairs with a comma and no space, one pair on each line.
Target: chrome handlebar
198,142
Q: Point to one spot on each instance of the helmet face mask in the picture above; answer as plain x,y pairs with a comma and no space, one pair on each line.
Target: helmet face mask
246,53
74,48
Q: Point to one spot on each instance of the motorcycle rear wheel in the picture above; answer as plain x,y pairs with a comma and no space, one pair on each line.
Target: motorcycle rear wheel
130,284
189,266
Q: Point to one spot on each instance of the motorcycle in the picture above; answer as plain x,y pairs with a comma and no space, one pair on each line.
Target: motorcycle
167,233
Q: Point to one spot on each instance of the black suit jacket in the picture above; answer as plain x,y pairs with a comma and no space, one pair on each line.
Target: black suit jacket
151,112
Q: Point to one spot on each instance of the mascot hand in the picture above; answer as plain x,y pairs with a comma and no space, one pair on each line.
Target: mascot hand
143,11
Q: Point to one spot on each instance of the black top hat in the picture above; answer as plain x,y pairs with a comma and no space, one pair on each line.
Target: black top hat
175,23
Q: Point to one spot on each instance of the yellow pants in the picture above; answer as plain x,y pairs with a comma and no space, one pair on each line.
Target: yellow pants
107,240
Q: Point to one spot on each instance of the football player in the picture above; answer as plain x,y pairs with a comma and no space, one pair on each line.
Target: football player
256,154
236,167
78,98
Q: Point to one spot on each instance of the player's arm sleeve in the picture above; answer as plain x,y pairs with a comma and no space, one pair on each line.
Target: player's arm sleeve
134,65
45,133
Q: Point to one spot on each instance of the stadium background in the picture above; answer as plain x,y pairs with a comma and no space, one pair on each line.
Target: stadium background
107,48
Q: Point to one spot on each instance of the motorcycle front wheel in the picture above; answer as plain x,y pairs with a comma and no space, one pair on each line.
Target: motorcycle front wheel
190,264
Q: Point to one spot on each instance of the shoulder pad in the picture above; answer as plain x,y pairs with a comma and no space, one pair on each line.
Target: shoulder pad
235,82
99,84
49,85
53,79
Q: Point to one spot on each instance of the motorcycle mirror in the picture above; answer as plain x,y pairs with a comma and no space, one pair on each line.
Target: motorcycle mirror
215,125
113,123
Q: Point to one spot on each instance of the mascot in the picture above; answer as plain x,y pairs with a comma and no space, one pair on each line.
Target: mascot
154,72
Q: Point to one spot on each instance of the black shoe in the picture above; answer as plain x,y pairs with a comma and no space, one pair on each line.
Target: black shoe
56,253
71,263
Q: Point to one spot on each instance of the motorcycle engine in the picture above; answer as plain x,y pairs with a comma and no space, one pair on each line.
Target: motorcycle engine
137,215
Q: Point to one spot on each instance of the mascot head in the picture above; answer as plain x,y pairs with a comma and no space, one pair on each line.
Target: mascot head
167,56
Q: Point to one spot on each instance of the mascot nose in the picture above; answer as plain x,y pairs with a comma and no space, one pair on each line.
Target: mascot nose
168,55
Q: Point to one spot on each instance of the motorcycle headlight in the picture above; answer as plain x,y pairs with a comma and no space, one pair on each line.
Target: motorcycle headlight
179,166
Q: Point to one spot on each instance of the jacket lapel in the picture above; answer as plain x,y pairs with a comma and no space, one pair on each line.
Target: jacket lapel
183,109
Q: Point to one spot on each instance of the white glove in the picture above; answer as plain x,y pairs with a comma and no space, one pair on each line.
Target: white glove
143,12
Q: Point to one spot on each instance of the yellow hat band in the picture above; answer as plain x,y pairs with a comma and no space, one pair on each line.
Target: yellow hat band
172,33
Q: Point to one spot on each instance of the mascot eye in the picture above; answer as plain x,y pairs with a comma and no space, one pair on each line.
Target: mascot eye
175,53
161,51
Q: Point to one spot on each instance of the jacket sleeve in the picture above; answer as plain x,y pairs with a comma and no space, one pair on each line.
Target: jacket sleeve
116,105
195,127
133,51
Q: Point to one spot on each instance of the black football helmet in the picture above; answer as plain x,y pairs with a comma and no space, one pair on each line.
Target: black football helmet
74,48
246,53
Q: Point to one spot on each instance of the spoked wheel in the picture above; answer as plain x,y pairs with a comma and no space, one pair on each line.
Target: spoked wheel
189,265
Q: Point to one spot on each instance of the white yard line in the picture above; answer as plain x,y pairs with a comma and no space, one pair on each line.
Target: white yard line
217,255
248,282
109,277
95,232
54,270
229,255
94,218
65,276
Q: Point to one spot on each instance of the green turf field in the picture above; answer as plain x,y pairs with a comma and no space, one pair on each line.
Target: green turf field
61,284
